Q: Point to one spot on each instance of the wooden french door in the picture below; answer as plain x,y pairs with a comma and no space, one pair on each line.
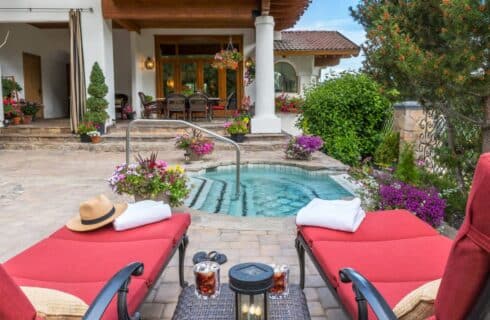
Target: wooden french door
185,66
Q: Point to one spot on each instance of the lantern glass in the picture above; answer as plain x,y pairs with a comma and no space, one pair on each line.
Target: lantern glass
149,63
252,307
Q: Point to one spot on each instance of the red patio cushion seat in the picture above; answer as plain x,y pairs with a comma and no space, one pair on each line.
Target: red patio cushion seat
173,228
18,307
78,261
219,107
416,259
87,291
377,226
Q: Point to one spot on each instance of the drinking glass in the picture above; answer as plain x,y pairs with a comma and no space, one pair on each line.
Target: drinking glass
207,275
280,287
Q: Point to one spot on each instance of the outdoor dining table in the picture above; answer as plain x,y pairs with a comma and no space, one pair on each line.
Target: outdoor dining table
212,101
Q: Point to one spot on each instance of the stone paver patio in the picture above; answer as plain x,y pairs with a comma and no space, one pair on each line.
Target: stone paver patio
40,190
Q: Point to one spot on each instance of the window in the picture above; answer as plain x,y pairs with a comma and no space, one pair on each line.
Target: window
285,79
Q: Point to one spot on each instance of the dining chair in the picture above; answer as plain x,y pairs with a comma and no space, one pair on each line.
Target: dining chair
198,103
176,103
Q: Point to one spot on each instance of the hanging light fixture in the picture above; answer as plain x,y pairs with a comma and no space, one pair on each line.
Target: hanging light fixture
149,63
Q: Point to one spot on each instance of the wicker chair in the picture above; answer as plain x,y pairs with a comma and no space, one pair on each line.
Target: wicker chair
151,107
176,104
199,103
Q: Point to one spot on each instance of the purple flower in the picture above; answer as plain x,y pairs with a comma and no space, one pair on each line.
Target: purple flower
426,204
301,147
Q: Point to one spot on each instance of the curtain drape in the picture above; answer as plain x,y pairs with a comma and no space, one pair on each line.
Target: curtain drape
77,71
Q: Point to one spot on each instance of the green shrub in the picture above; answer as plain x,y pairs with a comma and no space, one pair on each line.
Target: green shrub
407,171
9,86
96,102
387,152
348,112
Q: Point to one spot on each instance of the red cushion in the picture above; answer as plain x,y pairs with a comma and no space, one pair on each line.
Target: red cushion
468,267
377,226
87,291
220,107
393,292
76,261
417,259
14,305
173,228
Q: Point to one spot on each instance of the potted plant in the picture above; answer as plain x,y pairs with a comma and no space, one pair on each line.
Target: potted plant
14,113
227,59
195,145
128,112
9,86
83,129
302,147
150,178
237,128
29,110
96,102
94,136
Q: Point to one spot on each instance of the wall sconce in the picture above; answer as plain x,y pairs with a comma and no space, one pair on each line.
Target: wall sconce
149,63
249,62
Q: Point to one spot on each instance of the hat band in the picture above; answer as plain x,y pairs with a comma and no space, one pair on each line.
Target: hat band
100,219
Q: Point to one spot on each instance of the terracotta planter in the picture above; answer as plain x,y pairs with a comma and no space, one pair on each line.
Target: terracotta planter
27,119
161,197
96,139
16,120
238,137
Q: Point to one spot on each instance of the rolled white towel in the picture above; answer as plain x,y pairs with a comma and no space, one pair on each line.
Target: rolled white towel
344,215
141,213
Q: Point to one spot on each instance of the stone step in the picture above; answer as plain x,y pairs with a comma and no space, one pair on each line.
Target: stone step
116,137
107,146
33,130
166,128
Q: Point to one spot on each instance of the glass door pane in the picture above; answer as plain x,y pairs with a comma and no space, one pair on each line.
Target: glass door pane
231,82
168,78
188,77
210,83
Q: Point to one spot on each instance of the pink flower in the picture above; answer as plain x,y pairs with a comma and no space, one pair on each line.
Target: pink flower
227,124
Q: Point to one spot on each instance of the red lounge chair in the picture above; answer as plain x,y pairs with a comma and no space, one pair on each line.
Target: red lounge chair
94,266
393,253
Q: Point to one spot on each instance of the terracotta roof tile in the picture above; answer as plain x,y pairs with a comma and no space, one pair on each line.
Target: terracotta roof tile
314,41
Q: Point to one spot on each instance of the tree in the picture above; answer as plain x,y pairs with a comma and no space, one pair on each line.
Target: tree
436,52
96,102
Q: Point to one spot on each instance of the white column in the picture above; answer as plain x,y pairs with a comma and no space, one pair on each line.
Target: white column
97,47
265,119
1,101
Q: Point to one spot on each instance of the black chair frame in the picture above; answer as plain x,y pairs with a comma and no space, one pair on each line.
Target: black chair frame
119,284
365,293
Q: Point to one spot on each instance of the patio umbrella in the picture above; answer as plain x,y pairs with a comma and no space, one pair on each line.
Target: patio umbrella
77,72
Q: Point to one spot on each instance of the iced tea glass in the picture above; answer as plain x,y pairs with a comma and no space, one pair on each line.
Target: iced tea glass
207,278
280,287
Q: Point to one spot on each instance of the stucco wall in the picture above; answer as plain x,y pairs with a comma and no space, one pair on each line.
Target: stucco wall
122,62
305,69
53,48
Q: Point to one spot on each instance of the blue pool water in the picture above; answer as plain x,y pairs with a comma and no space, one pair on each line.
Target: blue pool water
266,190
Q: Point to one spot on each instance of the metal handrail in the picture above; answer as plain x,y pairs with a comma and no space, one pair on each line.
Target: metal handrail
209,132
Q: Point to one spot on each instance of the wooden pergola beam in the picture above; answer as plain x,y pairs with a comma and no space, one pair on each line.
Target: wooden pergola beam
128,25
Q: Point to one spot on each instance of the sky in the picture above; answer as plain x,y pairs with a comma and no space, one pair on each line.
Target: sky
334,15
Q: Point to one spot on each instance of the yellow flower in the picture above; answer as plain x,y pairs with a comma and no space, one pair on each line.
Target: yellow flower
176,168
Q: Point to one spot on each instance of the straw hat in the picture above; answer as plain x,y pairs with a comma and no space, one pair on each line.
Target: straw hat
95,213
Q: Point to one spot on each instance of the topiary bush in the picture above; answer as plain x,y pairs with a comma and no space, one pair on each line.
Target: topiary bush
388,151
407,170
348,112
96,102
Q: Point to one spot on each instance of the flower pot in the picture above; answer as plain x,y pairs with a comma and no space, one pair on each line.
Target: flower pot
131,115
85,138
27,119
101,128
238,137
192,156
160,197
96,139
16,120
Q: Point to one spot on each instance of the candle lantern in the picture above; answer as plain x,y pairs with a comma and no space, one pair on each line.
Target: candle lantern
250,282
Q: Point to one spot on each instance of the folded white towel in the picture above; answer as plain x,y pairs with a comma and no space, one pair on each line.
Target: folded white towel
141,213
344,215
